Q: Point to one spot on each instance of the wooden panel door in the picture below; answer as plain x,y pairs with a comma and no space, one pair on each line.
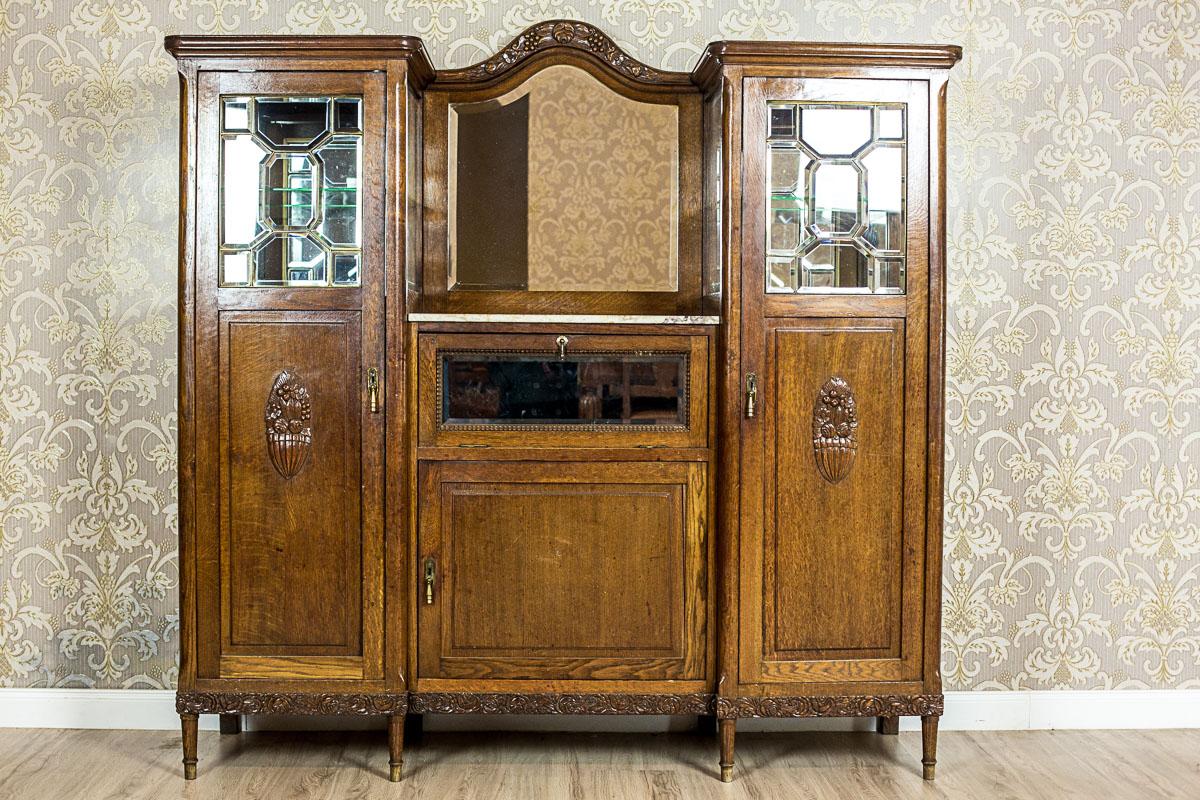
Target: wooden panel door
289,445
561,571
835,333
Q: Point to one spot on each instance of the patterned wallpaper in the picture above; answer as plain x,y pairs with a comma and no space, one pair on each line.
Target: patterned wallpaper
1073,514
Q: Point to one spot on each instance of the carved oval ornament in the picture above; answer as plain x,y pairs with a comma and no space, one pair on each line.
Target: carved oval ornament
289,434
835,429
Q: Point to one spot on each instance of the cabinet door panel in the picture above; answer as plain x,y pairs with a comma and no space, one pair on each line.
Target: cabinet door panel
839,575
563,571
294,560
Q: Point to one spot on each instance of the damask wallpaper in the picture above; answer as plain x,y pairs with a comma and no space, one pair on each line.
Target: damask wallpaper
1073,495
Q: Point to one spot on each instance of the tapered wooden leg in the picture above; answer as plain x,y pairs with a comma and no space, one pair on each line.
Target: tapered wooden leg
888,726
191,727
231,723
728,726
396,745
929,726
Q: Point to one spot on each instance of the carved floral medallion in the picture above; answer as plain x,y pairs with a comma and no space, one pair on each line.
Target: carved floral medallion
288,418
835,429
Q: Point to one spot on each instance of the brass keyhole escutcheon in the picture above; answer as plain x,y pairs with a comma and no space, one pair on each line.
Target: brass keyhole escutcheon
751,395
373,389
562,341
430,577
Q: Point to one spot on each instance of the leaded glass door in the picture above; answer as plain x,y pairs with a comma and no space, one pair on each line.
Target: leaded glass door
835,343
290,382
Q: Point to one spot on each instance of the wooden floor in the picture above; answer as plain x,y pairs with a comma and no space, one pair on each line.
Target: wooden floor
127,765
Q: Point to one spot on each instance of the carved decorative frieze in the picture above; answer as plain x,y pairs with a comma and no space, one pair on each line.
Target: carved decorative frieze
558,33
835,429
599,703
919,705
288,418
196,702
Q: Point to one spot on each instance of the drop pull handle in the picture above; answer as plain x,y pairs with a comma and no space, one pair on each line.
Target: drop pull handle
373,389
561,341
430,577
751,395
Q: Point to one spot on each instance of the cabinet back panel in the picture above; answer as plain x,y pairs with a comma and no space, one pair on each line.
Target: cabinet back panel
293,543
835,566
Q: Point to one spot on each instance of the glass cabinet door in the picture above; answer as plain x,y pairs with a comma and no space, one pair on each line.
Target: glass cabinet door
835,193
290,205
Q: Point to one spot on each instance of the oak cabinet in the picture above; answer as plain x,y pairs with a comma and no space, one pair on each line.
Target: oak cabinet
560,383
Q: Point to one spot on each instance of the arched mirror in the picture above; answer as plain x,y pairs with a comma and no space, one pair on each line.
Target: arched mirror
560,187
561,184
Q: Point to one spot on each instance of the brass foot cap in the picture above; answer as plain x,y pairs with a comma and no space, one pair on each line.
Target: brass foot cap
927,771
189,772
726,774
394,775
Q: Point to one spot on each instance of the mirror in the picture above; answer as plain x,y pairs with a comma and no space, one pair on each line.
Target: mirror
562,184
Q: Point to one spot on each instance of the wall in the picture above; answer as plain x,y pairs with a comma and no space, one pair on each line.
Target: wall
1073,513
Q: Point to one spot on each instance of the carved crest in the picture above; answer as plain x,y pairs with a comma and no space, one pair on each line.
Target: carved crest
556,33
835,429
289,434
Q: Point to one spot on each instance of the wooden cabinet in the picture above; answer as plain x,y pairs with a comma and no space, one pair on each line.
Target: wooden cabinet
560,383
543,571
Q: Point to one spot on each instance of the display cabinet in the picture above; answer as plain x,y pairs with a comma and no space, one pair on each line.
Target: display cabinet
560,383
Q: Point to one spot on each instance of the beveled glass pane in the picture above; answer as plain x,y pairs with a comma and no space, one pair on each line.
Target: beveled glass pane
787,170
835,266
787,219
835,198
236,114
836,131
290,190
889,274
891,123
289,260
340,203
235,268
782,122
513,389
347,114
241,157
291,121
885,198
345,269
783,274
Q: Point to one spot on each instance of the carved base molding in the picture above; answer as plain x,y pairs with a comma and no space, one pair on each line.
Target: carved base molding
599,703
918,705
333,704
325,704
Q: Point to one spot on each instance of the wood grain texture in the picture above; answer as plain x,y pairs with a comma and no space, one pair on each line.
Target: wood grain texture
143,765
564,570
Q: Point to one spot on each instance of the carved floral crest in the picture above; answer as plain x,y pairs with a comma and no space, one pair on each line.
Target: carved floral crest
835,429
288,414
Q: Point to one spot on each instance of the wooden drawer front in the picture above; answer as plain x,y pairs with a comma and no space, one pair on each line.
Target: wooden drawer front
533,390
563,570
287,570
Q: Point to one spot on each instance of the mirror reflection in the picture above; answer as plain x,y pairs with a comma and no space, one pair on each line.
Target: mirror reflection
563,185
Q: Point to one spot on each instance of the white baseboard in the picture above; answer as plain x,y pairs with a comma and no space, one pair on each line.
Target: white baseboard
145,709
